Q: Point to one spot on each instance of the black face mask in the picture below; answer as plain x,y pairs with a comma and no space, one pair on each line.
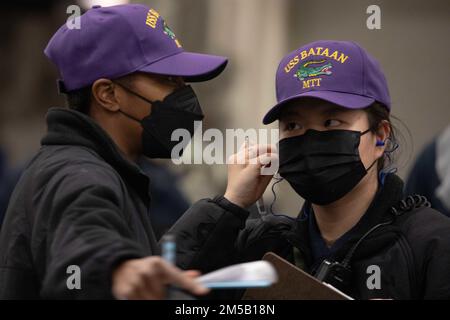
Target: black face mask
322,166
179,110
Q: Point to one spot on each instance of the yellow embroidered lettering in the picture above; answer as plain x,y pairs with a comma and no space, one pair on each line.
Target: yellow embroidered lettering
291,64
334,55
303,54
342,58
152,18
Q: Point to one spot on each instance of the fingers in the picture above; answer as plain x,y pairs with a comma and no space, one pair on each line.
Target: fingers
192,273
188,283
172,275
141,289
269,164
267,159
242,156
259,149
147,278
249,153
154,290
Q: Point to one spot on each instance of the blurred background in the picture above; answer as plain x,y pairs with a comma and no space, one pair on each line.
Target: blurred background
412,47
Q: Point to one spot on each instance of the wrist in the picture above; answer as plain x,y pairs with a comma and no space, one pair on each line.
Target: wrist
232,207
235,200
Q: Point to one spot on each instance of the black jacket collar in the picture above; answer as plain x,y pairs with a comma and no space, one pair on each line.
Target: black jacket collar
379,211
69,127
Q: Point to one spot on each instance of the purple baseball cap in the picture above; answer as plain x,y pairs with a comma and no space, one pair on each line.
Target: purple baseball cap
118,40
340,72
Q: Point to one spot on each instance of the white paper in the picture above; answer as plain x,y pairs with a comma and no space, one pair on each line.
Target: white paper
244,275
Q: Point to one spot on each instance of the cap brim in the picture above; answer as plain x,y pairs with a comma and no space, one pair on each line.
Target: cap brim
345,100
193,67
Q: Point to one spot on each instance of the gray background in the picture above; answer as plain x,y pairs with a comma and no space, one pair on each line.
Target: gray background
412,47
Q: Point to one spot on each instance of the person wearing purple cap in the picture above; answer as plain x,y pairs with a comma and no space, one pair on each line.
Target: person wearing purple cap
357,229
78,224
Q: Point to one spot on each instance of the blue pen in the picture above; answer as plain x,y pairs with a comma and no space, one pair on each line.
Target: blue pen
168,252
168,248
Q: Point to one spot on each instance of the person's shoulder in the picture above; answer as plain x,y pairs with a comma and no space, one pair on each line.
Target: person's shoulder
73,164
68,154
431,216
426,223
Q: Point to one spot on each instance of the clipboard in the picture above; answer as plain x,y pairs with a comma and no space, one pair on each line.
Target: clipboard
293,284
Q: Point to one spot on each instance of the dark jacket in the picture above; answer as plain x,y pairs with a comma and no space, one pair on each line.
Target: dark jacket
8,179
80,202
412,249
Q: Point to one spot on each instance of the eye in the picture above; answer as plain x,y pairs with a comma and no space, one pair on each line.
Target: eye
330,123
290,126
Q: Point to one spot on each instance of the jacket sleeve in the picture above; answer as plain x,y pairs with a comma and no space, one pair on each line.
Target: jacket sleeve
437,277
429,236
87,229
206,234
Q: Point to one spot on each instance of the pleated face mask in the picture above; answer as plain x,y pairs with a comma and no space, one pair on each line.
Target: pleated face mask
322,166
179,110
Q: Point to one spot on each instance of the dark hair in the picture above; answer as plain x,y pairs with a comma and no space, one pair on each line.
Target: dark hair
80,99
377,113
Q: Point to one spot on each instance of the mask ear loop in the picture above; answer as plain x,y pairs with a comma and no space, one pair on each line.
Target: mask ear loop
152,103
388,154
278,180
378,144
134,93
364,132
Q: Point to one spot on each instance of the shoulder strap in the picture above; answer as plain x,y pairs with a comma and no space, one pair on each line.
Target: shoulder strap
402,211
406,205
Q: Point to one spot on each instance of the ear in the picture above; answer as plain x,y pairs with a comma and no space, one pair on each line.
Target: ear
382,134
105,95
